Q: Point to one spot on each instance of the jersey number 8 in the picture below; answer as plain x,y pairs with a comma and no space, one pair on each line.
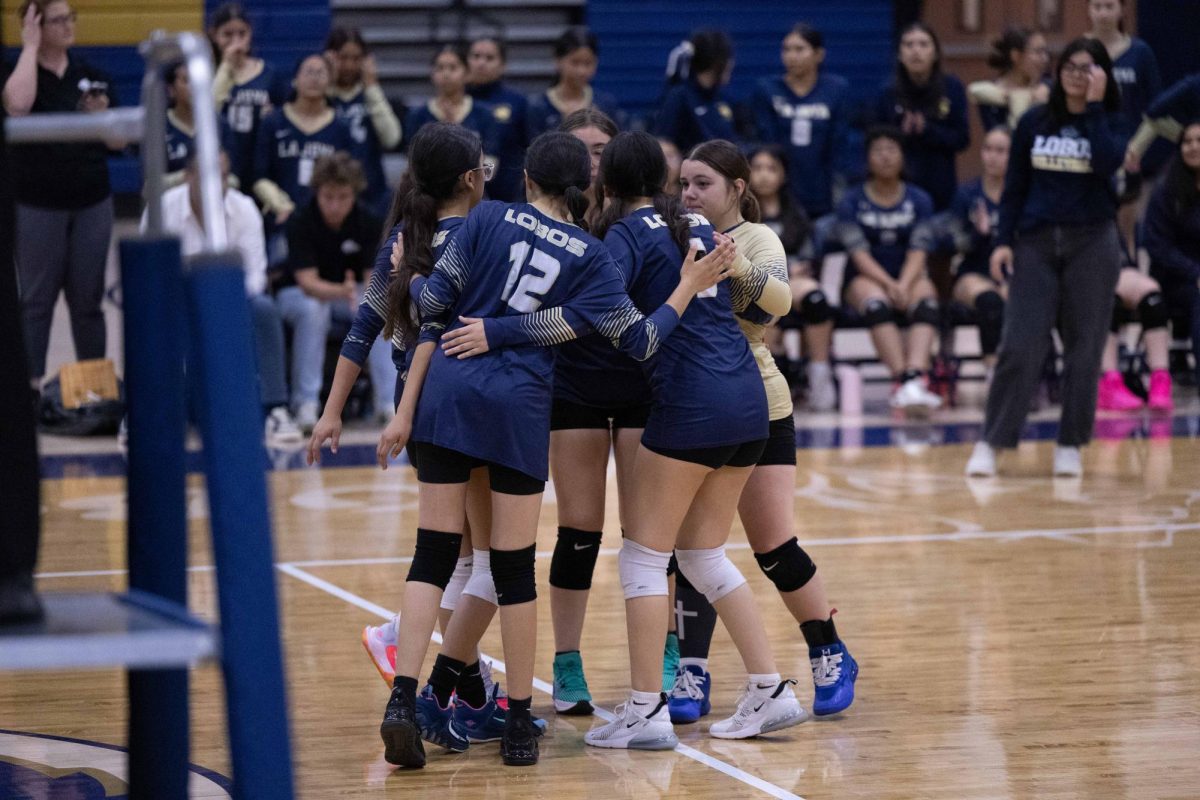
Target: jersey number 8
521,295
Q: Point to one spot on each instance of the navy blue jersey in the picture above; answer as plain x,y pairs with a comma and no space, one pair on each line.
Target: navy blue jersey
889,232
1180,102
286,154
814,130
543,115
511,260
478,119
508,112
691,114
248,103
181,143
1136,73
353,111
929,156
975,246
1060,173
1172,238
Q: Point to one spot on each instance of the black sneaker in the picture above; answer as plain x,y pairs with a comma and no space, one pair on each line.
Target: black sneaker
400,732
518,745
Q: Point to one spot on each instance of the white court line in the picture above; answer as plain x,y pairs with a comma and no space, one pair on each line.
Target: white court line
713,763
952,536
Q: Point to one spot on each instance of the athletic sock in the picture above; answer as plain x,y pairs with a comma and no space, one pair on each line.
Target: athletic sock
407,687
820,632
765,682
444,677
470,688
519,709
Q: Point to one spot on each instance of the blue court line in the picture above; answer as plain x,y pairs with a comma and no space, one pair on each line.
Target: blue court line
849,435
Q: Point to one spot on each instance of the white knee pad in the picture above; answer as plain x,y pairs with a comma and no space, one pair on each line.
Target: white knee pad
710,571
458,582
643,571
481,584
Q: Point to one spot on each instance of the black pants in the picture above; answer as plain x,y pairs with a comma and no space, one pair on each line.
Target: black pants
1065,274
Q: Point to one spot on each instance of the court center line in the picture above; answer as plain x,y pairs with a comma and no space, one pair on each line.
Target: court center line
688,752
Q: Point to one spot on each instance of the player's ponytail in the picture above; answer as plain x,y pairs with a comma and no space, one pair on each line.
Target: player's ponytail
728,161
559,165
577,203
633,167
439,156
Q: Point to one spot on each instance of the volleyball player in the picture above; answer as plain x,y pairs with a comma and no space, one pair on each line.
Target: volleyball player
575,59
1021,57
487,60
716,183
360,102
1057,227
694,108
504,260
245,87
450,102
884,225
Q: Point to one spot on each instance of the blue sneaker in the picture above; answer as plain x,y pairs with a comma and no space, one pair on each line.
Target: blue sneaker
670,662
486,724
437,723
834,672
688,700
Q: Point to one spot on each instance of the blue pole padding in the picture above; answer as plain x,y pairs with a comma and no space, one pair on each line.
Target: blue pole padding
231,424
152,288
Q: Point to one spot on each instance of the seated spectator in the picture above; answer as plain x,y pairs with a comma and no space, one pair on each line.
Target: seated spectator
1021,57
575,61
1139,298
331,245
183,215
884,227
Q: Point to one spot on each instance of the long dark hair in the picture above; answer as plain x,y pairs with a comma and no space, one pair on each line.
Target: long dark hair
908,93
796,225
1180,181
439,154
561,166
1099,53
572,39
340,37
1013,38
633,166
226,13
727,160
809,34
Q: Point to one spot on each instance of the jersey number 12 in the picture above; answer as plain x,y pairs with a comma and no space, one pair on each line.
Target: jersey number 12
520,295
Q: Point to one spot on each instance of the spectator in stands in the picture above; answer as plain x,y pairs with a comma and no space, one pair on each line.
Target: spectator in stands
451,103
361,104
812,317
884,226
183,215
694,108
64,208
245,88
929,107
331,245
806,111
1165,117
1022,57
974,218
487,59
1172,236
674,164
181,126
575,59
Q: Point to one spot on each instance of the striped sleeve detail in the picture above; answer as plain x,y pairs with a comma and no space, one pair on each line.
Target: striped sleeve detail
455,269
548,327
613,323
748,287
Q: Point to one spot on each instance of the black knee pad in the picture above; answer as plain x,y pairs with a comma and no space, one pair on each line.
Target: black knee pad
435,558
1152,311
815,308
989,311
574,558
925,312
513,574
1121,316
788,566
877,312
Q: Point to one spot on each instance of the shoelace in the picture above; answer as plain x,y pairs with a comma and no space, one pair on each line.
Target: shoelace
827,669
485,672
687,684
573,681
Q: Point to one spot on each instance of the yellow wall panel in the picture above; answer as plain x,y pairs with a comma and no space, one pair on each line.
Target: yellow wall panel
116,22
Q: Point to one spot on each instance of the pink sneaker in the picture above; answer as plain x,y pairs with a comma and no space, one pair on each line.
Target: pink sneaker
1114,395
1160,391
380,643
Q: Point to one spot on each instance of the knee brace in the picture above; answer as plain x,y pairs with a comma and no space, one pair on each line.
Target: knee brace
710,571
481,584
643,571
989,309
877,312
1121,316
435,558
925,312
815,308
458,582
513,574
574,558
1152,311
787,566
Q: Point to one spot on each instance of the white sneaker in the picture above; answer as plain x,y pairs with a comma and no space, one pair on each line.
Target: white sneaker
306,416
982,463
280,429
913,395
380,643
631,731
822,394
1068,462
761,709
489,682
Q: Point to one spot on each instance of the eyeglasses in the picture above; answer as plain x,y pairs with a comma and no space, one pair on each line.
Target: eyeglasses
488,169
65,19
1082,70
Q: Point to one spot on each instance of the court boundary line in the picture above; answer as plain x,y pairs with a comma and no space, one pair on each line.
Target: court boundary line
704,759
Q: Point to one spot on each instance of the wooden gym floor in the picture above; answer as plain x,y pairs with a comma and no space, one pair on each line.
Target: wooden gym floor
1018,638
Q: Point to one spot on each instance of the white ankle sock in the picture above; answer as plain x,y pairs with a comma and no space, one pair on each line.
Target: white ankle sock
765,682
702,663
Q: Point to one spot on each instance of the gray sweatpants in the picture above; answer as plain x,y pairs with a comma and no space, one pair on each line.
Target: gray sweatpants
1064,275
63,251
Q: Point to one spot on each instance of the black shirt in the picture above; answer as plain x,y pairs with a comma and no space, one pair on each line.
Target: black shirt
311,243
63,175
